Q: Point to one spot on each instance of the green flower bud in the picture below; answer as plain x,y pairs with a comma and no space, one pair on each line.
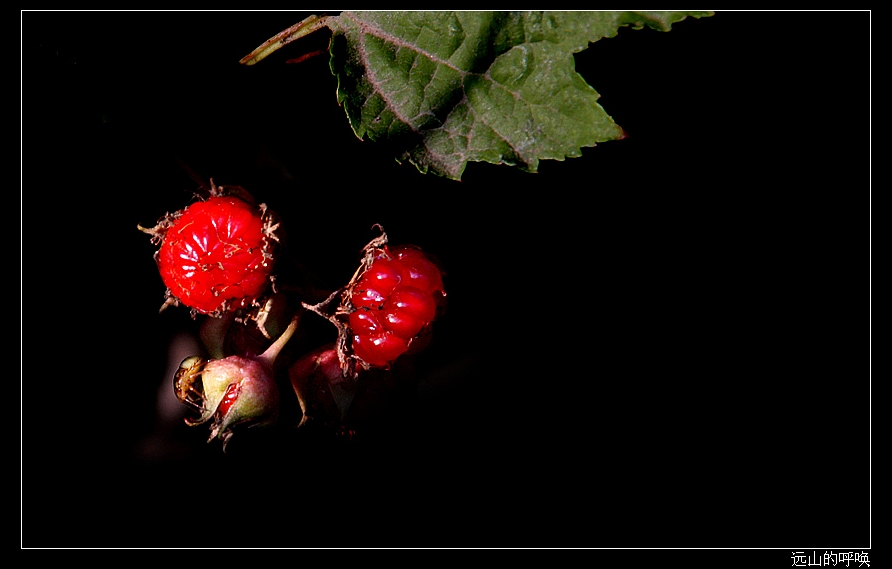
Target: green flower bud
234,391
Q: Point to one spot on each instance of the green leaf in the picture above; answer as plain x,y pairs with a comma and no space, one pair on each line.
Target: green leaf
446,88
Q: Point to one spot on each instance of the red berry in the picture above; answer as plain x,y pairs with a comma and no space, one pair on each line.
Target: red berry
418,270
392,302
364,322
376,284
216,255
408,310
379,349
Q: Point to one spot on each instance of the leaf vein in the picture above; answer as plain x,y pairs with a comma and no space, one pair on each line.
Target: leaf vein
376,83
377,32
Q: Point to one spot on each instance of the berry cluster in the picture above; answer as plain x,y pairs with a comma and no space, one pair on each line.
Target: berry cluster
217,256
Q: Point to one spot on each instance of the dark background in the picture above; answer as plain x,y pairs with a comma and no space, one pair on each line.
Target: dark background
662,343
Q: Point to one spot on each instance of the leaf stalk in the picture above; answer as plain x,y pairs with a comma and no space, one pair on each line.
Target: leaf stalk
283,38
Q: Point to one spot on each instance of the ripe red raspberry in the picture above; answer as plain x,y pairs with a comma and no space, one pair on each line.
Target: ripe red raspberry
216,255
392,303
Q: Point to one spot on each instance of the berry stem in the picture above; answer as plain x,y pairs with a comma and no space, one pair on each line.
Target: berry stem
269,356
213,332
348,369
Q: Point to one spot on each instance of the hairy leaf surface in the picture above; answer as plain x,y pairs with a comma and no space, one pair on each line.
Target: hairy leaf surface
452,87
446,88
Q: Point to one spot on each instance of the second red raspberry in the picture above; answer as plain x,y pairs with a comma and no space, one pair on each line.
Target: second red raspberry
394,300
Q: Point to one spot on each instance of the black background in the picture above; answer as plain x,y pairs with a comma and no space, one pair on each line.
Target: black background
662,343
